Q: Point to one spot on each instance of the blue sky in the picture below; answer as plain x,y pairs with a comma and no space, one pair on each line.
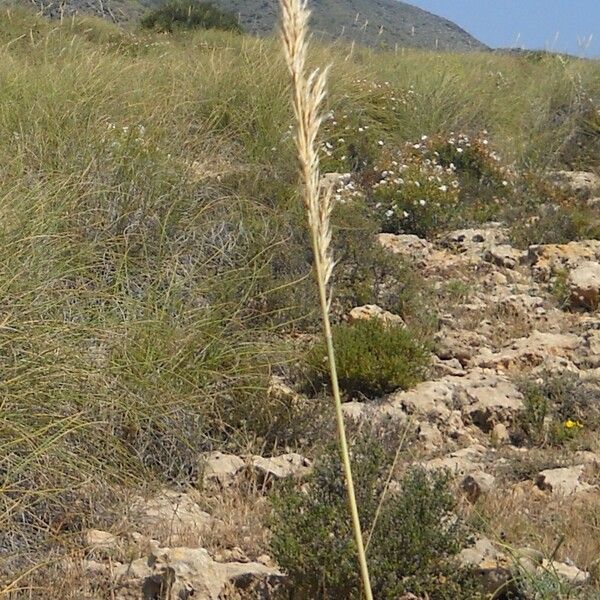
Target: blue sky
548,24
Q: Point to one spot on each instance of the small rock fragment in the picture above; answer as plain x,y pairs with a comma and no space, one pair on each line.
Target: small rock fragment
584,285
372,311
563,481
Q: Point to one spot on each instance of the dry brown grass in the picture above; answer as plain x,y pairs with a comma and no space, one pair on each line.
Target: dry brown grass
529,517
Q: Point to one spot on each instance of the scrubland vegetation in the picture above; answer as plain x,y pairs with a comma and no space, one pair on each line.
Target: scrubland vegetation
155,272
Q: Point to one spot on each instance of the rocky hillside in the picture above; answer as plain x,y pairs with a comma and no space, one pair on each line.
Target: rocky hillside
166,424
482,415
376,23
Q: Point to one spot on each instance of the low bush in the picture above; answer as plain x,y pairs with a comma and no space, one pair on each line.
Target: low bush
373,358
412,548
189,14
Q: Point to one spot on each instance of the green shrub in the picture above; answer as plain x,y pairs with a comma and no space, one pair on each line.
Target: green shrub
419,200
189,14
412,549
373,358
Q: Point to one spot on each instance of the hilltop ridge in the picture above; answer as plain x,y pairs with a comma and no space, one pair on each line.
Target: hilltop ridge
374,23
370,22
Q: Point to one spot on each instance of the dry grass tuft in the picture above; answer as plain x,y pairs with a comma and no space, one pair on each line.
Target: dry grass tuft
308,94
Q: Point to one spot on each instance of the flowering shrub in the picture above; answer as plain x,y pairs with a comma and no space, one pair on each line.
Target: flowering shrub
438,181
414,194
471,159
422,188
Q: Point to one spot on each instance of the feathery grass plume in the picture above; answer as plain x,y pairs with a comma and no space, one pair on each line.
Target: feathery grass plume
308,92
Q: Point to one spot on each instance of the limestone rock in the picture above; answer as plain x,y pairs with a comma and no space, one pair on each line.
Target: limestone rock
459,344
185,573
528,560
409,246
584,285
96,539
279,390
169,515
449,406
491,565
592,339
504,255
429,435
530,351
220,470
570,573
547,259
477,483
268,470
430,398
476,242
462,462
563,481
489,399
499,434
581,183
442,367
372,311
521,305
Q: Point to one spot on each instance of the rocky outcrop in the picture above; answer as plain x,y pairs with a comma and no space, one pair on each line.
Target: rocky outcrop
548,259
476,242
408,246
563,481
372,311
502,574
582,184
532,351
170,515
185,573
222,470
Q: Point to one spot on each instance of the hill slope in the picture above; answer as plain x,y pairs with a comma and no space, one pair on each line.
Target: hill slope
371,22
377,23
